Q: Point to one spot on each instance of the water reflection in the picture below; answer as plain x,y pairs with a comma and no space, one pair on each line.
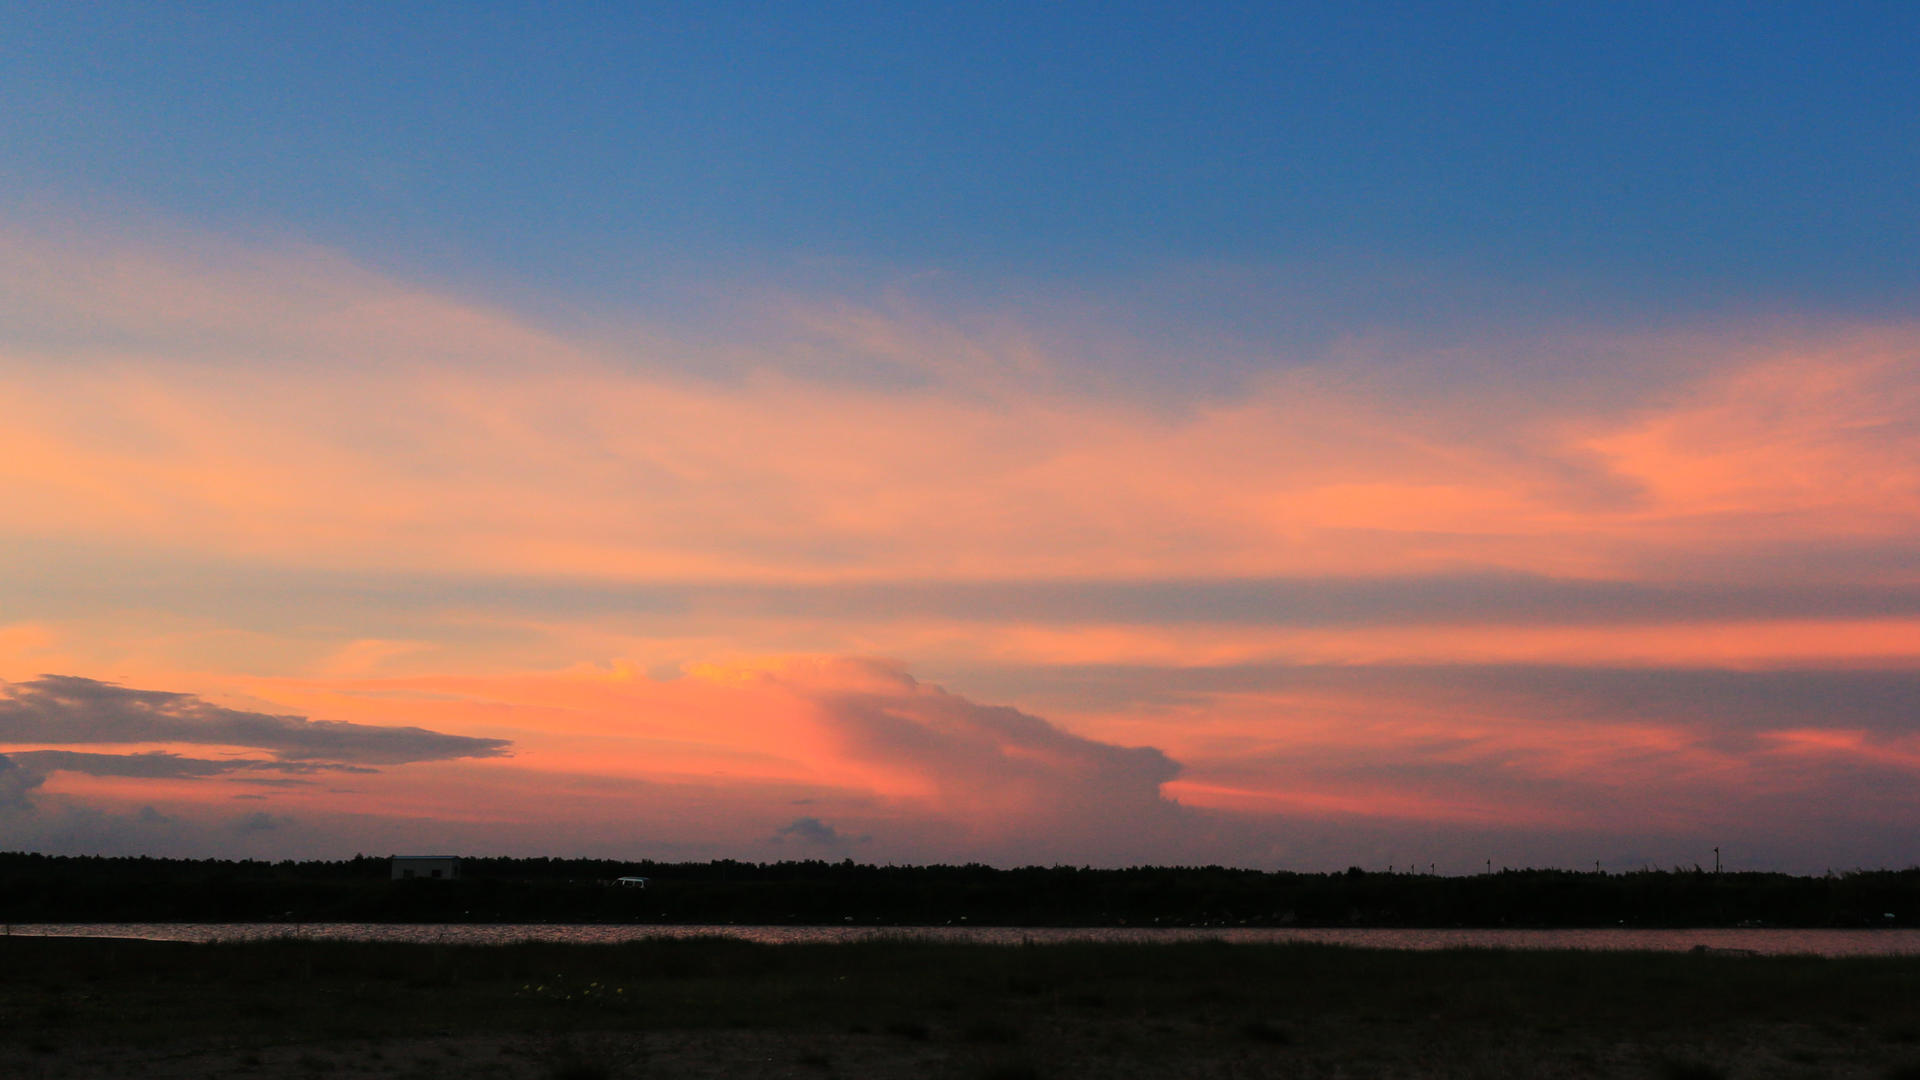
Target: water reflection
1763,941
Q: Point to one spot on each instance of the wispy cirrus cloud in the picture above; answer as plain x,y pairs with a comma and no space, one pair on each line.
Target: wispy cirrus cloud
420,432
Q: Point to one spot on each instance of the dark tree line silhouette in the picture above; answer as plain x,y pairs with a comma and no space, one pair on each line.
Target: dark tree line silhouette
45,888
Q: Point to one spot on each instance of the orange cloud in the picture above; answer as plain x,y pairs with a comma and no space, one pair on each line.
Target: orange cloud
416,432
392,507
850,730
1822,437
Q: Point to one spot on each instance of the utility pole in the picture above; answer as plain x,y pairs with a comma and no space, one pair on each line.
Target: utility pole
1716,860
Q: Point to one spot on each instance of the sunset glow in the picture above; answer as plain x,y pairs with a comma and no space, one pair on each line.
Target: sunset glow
324,534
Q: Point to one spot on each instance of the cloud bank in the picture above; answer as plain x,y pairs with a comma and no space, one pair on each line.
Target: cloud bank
813,831
68,709
999,768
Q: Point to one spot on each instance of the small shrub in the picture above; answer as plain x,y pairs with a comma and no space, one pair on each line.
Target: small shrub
574,993
568,1062
261,1008
1267,1032
314,1063
1691,1070
990,1031
908,1029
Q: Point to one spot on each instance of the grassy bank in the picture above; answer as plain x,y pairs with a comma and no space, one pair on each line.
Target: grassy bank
77,1007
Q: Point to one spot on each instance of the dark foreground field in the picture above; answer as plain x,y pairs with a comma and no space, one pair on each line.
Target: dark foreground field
720,1008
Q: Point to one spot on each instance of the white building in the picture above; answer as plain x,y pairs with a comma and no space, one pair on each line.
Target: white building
408,867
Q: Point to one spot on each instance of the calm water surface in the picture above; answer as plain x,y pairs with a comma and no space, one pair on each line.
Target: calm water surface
1768,941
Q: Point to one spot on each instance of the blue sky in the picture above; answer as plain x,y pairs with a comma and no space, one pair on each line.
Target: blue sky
1654,159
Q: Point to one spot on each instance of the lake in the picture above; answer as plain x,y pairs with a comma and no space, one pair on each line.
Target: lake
1768,941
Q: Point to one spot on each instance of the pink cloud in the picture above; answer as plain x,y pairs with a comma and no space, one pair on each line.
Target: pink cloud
292,415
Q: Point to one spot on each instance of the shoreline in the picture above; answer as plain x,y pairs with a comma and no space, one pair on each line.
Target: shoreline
1733,941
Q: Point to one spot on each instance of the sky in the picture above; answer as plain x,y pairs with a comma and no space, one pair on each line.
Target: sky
1286,436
